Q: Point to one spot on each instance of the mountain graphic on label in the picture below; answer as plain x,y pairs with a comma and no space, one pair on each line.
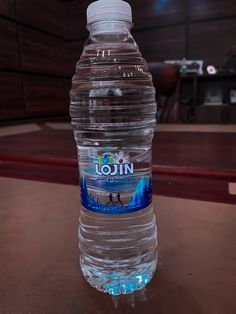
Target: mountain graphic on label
141,198
143,193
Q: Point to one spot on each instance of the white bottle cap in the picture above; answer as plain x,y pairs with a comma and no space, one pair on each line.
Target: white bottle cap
109,10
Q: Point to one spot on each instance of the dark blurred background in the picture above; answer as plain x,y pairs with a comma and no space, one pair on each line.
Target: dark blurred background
40,42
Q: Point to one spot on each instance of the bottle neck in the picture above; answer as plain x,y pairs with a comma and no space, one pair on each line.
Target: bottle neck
101,27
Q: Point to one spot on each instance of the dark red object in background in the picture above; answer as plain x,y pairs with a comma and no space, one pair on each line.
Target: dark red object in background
185,164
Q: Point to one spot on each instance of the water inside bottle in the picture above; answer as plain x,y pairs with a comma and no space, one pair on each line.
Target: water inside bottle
113,114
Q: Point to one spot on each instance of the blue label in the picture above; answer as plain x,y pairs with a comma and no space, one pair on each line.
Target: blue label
112,183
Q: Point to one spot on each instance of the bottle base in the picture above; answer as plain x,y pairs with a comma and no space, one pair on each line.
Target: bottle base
116,281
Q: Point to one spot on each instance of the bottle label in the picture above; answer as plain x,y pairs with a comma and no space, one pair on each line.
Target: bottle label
115,182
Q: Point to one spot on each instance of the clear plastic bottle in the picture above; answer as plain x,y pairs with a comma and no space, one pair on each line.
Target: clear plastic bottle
113,112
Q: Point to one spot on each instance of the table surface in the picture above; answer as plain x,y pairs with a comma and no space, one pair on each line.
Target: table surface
39,256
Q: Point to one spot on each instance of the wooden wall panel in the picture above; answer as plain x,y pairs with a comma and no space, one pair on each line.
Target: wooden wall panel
146,14
49,35
154,13
46,96
161,44
75,50
9,56
11,96
205,9
46,15
211,41
43,53
7,8
76,19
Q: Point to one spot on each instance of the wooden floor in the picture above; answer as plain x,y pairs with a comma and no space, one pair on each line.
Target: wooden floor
187,163
40,266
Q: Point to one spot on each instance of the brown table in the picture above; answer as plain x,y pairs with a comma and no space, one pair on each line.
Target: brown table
39,271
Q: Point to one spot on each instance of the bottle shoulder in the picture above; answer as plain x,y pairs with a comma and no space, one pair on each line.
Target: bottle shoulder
112,58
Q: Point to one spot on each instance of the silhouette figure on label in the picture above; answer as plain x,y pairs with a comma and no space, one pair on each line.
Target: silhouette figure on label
110,199
118,199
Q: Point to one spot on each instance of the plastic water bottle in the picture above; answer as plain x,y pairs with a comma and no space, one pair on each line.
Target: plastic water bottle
113,115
